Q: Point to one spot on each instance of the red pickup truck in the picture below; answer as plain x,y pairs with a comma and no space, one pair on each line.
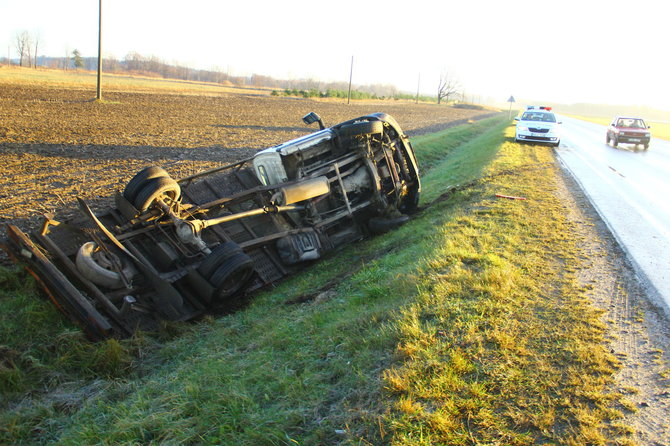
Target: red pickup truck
628,131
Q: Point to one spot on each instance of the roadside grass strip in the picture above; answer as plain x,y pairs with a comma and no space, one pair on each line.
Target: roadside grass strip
464,326
501,346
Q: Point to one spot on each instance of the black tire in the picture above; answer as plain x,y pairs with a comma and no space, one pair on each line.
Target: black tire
410,203
156,188
219,254
607,138
646,146
615,141
137,183
231,276
362,128
379,225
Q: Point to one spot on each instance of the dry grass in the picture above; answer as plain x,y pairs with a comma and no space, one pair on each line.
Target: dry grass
501,346
81,79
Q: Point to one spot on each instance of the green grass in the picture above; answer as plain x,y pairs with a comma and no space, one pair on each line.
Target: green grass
40,348
464,326
500,344
658,129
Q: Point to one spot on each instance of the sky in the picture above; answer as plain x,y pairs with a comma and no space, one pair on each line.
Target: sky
565,51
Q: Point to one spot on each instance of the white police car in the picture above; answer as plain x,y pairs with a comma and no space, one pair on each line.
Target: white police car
538,124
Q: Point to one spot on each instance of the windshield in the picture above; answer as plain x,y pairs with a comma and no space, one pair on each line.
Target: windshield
538,116
632,123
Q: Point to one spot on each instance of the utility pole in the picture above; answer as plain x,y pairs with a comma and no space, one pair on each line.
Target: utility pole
98,95
351,74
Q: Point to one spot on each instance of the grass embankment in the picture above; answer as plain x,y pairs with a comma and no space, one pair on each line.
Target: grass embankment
465,326
658,129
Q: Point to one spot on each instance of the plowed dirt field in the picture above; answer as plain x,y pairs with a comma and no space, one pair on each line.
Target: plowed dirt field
56,143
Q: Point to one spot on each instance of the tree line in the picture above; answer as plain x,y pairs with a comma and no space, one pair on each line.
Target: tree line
27,46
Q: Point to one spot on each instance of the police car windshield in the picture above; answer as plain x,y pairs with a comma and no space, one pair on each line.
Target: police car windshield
538,116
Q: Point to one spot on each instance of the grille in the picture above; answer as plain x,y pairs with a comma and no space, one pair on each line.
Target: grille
538,130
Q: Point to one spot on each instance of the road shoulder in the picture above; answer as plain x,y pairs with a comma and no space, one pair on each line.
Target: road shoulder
638,331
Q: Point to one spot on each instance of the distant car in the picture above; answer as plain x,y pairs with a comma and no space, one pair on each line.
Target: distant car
628,130
538,124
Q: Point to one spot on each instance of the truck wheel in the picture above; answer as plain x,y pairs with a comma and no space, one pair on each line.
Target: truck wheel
615,141
137,183
646,146
379,225
361,128
96,266
219,254
231,276
154,189
607,138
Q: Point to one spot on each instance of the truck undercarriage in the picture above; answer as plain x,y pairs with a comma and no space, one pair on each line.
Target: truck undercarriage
175,249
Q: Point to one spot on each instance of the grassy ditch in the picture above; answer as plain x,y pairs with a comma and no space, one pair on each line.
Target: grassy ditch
464,326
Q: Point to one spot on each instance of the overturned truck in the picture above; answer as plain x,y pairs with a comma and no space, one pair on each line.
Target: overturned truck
174,249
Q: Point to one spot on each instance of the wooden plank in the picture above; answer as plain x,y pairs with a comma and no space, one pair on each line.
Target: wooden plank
58,287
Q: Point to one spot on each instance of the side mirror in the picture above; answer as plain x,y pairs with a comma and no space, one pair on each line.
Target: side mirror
559,122
516,118
648,126
311,118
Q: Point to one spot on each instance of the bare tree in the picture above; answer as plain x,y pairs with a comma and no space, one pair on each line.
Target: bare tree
29,55
22,44
66,59
447,87
110,63
37,41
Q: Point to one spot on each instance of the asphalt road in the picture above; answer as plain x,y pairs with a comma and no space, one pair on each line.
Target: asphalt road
630,189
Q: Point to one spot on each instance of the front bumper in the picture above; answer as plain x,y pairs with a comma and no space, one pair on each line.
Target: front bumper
534,137
633,139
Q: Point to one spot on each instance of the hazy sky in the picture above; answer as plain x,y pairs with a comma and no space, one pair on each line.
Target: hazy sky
560,51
